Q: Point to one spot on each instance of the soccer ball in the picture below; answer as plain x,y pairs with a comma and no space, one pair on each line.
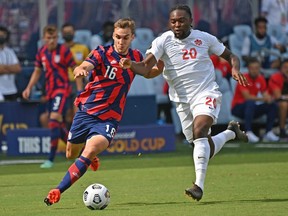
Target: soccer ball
96,197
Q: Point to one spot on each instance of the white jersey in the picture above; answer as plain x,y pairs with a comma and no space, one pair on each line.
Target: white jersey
188,67
7,81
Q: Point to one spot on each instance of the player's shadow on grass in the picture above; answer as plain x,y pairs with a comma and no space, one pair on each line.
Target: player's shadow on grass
152,203
201,202
248,200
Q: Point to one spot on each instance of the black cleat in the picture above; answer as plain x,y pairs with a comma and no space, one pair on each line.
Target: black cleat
195,192
47,201
235,127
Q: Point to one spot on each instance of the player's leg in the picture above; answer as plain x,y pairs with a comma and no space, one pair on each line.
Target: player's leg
186,119
233,131
94,146
74,151
55,121
201,154
98,134
56,107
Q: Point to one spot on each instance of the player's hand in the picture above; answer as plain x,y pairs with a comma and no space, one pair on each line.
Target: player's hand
125,63
239,77
26,93
79,72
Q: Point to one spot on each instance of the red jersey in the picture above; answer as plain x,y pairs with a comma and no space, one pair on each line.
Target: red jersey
105,94
55,64
276,82
257,85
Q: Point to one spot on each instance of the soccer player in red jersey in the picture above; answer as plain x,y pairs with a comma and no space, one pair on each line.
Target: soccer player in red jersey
54,59
100,105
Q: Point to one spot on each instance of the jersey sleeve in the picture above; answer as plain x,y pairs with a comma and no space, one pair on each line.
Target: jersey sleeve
38,62
157,48
94,57
216,46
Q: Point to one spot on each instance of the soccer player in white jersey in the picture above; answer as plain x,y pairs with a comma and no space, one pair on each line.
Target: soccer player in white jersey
191,78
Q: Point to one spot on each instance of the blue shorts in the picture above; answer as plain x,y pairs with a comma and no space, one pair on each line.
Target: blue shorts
57,104
84,126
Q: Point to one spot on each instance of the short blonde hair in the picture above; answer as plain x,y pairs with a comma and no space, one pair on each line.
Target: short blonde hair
50,29
125,23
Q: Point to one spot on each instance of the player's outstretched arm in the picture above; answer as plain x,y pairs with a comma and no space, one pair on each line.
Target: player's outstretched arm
83,69
141,68
235,63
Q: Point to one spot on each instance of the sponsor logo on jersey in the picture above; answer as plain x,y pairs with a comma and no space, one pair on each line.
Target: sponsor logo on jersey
113,62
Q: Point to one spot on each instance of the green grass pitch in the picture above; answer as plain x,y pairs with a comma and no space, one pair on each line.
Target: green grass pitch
240,181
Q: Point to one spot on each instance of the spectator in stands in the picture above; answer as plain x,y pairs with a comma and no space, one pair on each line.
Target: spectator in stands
253,101
278,86
9,67
275,12
260,45
104,37
80,52
54,59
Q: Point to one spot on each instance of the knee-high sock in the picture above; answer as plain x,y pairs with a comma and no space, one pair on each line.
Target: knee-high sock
221,138
55,127
201,155
75,171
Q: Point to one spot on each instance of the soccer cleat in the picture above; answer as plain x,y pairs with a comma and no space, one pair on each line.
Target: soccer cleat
95,163
52,197
195,192
47,164
235,127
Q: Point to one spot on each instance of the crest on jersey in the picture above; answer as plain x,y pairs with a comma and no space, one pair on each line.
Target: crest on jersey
57,58
198,42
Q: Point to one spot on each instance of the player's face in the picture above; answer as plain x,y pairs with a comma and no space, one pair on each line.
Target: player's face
51,40
254,69
180,23
122,40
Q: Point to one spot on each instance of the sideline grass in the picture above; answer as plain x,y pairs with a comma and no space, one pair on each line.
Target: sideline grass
243,181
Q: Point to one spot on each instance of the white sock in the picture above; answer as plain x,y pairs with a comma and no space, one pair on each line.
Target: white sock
221,138
201,155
